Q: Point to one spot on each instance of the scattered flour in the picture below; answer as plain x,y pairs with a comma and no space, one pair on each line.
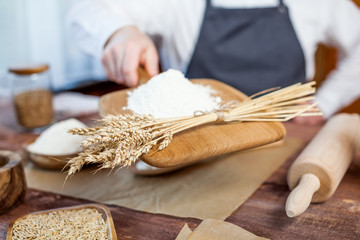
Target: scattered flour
140,165
170,94
57,141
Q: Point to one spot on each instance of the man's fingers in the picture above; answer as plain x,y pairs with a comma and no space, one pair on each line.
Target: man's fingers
130,64
150,60
109,65
125,51
119,55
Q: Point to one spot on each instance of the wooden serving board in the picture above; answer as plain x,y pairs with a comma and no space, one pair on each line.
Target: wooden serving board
205,141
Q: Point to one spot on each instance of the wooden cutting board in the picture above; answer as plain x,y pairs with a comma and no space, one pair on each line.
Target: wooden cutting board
206,141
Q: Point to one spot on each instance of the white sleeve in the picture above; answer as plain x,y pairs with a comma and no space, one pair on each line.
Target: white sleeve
92,22
343,84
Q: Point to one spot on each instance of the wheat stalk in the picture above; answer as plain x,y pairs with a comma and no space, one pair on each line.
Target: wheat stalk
122,139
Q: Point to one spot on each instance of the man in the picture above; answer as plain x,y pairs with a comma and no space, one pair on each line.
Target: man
251,45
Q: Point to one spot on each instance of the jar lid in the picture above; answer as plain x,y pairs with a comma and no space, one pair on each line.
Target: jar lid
27,69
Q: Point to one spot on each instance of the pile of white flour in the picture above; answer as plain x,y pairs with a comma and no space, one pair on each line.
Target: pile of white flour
170,94
57,141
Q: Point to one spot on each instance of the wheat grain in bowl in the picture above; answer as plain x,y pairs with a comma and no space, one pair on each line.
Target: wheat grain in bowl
91,221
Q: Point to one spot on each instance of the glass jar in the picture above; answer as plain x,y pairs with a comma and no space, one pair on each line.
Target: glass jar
32,95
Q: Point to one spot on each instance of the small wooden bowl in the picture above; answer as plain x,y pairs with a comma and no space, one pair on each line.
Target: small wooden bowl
51,162
102,209
12,181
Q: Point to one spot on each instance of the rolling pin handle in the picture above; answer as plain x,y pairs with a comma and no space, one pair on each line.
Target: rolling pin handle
300,197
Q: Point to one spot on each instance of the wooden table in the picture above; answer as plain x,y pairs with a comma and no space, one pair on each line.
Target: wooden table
263,213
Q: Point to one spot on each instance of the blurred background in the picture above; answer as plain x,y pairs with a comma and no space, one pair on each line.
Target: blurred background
35,31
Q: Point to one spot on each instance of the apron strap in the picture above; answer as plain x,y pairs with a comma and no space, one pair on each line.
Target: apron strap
208,4
281,6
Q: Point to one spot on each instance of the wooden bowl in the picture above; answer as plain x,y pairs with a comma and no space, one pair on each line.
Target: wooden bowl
51,162
206,141
102,209
12,181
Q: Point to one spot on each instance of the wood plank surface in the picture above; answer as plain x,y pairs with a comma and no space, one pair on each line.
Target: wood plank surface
263,213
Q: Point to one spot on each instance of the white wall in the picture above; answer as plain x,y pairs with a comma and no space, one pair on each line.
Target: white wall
35,31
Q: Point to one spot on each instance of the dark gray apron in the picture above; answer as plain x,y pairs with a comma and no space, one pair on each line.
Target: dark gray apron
249,49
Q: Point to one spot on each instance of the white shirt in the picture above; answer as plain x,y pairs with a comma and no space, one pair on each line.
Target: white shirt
174,26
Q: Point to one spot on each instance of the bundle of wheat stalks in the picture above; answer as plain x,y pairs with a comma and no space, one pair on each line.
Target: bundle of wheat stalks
121,139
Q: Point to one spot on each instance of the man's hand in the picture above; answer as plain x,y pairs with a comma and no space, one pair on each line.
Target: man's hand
125,51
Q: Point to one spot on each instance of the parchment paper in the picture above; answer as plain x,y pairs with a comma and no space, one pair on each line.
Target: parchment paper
211,189
184,233
216,230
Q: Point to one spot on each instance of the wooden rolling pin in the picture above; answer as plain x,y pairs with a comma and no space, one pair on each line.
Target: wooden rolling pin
316,173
